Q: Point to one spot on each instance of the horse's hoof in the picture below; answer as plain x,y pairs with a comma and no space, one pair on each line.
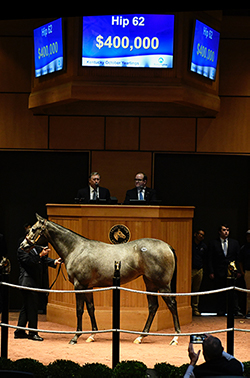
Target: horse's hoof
138,340
72,342
174,341
90,339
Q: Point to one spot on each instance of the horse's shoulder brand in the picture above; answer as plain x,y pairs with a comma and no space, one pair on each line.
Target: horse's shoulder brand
119,234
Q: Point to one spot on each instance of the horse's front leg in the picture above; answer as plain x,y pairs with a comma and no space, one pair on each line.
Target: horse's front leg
152,308
91,312
80,298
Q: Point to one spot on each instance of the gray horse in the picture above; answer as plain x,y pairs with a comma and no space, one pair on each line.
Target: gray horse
90,263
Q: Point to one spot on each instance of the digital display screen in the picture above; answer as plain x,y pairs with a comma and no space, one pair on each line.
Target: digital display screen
48,48
205,50
132,40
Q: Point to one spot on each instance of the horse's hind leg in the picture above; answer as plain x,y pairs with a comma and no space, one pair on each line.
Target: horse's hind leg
172,305
91,312
80,299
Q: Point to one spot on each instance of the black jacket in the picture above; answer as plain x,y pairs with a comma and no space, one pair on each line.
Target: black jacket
217,367
84,194
218,262
32,267
150,195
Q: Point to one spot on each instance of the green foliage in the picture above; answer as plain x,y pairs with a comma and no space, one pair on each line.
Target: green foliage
30,366
64,369
70,369
5,364
246,368
128,369
96,370
167,370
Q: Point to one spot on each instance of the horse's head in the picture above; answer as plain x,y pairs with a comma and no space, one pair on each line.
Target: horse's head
34,233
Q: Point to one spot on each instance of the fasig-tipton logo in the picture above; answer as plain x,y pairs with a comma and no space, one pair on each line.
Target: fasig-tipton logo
119,234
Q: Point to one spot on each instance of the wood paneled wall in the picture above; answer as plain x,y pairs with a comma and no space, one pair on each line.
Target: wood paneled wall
227,133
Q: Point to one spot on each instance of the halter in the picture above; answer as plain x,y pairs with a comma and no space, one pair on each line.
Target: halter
33,243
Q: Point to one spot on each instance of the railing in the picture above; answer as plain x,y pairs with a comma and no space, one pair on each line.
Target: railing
116,314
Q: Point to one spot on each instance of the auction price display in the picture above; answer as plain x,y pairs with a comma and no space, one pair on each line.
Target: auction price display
134,40
205,50
48,48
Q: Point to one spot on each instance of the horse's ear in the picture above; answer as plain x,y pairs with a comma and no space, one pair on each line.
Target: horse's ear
39,218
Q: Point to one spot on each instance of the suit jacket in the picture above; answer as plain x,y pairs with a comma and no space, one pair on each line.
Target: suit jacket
85,194
217,367
218,262
32,267
150,195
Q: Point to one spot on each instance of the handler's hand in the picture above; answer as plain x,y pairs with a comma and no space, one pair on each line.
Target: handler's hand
44,252
58,261
192,355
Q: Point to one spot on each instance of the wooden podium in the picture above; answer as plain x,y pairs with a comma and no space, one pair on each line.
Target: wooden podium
168,223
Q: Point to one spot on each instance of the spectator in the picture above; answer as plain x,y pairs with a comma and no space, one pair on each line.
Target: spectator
221,252
199,249
218,362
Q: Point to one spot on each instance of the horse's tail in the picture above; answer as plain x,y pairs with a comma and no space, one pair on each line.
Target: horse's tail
174,277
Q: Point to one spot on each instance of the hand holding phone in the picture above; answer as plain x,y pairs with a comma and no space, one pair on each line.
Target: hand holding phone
197,339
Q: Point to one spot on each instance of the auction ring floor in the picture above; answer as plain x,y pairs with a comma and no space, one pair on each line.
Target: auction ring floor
154,349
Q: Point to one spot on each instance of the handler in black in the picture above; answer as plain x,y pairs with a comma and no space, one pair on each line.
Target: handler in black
31,263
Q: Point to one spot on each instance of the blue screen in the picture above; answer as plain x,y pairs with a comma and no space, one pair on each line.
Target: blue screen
205,50
48,48
132,40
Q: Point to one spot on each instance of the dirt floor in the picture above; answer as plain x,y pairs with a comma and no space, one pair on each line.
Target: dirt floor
153,349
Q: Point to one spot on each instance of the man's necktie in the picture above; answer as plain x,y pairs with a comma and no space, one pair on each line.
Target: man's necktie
225,247
94,195
141,195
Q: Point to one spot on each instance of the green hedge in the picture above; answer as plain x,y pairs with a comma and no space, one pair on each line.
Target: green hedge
124,369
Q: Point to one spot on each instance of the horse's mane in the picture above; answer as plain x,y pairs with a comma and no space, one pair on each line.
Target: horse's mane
66,229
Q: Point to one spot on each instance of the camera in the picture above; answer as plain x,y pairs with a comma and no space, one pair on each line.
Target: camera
197,339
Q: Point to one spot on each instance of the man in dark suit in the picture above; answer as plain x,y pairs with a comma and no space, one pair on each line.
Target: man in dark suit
221,252
31,263
140,191
217,362
93,191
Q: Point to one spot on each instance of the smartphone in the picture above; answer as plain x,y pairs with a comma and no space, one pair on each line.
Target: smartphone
197,339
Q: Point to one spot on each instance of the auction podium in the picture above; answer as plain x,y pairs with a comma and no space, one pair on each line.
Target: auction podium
172,224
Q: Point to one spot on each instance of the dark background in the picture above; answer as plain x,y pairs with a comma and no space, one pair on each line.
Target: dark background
30,180
218,186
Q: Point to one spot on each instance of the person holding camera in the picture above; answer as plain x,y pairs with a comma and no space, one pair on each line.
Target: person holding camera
217,361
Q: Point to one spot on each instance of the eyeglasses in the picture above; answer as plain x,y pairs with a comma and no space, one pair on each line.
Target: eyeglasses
138,179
